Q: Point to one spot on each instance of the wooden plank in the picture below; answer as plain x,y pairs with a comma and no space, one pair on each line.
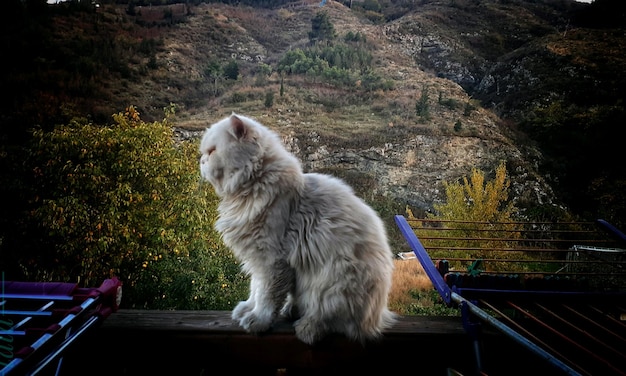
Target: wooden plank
203,342
142,342
220,322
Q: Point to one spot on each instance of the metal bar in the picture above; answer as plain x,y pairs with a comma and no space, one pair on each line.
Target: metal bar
12,333
589,248
36,297
27,313
71,325
517,240
524,230
612,230
507,223
565,338
501,249
610,318
557,273
514,335
548,325
48,336
528,334
598,325
534,261
424,258
63,346
508,294
584,333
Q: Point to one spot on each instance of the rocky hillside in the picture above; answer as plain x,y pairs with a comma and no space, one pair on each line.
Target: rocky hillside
551,69
485,75
377,142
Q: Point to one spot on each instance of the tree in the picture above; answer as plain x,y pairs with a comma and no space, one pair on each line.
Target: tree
321,28
476,206
231,70
269,99
215,72
477,200
263,72
421,106
123,200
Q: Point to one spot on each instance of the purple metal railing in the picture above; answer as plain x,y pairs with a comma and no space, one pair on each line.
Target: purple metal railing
572,317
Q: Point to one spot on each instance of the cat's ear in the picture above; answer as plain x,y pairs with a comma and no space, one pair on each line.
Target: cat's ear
238,127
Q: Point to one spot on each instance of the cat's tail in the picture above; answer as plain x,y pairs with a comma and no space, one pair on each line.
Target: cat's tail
387,319
372,328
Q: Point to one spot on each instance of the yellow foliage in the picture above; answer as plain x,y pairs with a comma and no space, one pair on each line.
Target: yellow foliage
476,206
475,200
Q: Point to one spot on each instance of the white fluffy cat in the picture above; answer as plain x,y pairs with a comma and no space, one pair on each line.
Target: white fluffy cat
314,251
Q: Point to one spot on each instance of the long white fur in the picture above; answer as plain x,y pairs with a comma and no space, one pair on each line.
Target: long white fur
314,251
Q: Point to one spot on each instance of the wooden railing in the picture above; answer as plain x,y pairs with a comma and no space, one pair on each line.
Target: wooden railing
144,342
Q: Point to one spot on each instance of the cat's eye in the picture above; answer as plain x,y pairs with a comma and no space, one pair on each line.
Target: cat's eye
210,151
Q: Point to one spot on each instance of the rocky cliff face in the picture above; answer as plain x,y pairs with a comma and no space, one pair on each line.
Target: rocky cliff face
413,171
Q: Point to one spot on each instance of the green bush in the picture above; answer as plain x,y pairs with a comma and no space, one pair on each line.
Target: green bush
269,99
231,70
340,64
321,28
421,106
125,200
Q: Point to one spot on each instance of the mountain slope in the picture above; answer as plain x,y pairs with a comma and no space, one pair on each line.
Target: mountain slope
486,68
553,68
377,138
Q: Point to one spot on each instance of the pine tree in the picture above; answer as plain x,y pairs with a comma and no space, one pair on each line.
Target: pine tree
321,28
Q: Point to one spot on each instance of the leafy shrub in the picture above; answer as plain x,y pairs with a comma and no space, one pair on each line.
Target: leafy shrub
341,64
341,55
301,62
374,17
231,70
269,99
469,107
476,199
321,28
125,200
458,126
354,37
451,103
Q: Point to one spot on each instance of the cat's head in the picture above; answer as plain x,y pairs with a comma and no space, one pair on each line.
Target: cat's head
230,153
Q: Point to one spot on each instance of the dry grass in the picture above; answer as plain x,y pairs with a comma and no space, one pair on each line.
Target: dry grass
409,279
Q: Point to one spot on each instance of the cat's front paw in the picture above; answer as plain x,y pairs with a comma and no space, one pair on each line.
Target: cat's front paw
309,331
242,309
256,322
